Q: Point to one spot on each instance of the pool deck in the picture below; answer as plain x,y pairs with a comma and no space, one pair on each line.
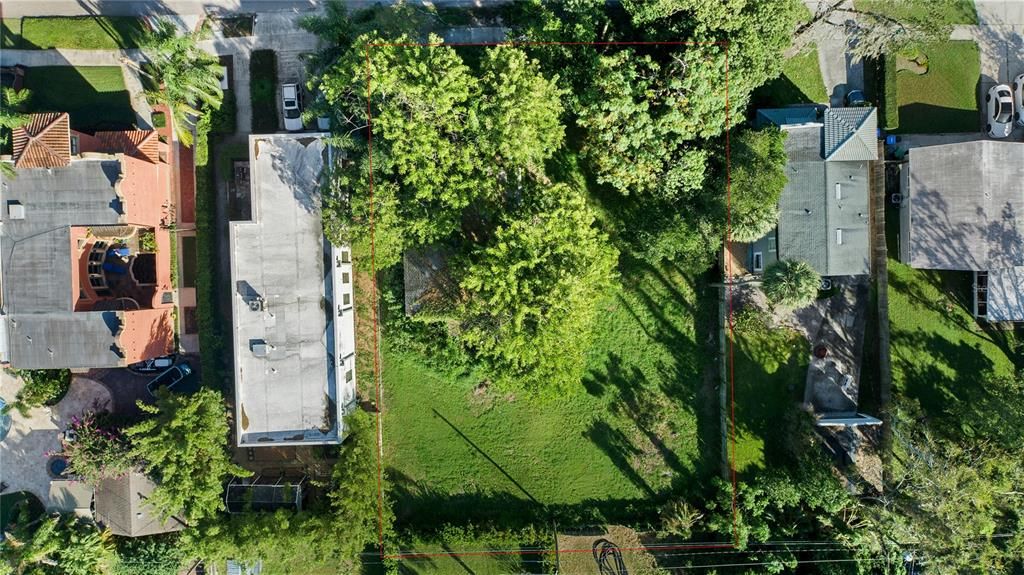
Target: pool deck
23,453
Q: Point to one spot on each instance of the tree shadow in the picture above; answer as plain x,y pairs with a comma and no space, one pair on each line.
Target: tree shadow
100,102
620,450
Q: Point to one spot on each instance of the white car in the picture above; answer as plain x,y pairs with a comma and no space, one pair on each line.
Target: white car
1018,98
999,111
291,102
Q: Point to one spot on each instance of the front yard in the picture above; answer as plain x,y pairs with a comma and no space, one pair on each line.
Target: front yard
95,96
800,83
943,99
642,425
81,33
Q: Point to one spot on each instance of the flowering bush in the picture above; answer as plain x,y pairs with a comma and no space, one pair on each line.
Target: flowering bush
95,452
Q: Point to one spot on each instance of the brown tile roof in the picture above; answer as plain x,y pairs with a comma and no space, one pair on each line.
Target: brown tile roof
45,142
142,144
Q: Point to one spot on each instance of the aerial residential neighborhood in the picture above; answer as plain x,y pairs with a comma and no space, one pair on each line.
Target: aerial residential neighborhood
511,287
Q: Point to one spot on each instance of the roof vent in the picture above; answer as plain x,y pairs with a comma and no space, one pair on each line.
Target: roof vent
259,348
15,210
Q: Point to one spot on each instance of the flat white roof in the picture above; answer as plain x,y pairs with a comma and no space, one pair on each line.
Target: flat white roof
294,333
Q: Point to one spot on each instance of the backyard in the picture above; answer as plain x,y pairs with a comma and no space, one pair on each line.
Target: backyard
100,100
940,355
944,98
641,426
82,33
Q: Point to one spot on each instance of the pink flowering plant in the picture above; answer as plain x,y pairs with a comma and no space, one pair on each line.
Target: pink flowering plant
95,451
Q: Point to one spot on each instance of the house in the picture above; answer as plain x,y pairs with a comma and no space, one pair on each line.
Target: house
963,209
292,308
85,248
823,210
122,506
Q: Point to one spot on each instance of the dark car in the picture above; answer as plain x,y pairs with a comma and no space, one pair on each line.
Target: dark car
856,99
178,379
154,365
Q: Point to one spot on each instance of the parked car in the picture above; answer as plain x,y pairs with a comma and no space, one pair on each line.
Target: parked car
291,102
154,365
999,112
170,378
856,99
1018,98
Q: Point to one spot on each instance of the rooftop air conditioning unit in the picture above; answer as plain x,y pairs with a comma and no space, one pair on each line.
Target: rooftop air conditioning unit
16,210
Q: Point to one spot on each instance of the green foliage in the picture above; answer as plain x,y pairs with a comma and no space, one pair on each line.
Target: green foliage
791,283
42,387
757,176
147,240
97,451
101,101
678,519
184,446
79,33
532,289
12,112
159,119
890,100
222,120
890,26
187,78
263,91
57,545
945,99
155,555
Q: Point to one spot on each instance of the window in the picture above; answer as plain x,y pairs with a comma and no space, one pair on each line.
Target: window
348,376
74,145
345,258
346,299
839,236
758,261
839,191
344,278
771,244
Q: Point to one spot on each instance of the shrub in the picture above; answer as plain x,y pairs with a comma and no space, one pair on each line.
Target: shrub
42,387
97,452
263,90
147,241
890,103
791,283
158,555
159,120
222,120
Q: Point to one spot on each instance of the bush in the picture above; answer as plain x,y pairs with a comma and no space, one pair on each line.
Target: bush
890,101
159,555
147,241
263,91
159,120
97,452
222,120
42,387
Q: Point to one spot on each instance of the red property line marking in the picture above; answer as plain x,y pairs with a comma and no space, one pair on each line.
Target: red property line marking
376,321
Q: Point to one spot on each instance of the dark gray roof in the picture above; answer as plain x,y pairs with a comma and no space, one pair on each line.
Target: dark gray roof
788,116
966,206
36,256
425,275
810,213
64,340
122,506
850,134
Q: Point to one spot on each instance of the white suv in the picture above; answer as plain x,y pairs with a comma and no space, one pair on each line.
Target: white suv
999,111
1018,98
291,102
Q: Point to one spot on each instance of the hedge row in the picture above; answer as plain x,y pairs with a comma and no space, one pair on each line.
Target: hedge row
263,91
890,100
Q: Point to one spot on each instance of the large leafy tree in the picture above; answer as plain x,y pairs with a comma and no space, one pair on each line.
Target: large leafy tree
186,77
56,545
184,447
533,287
791,283
757,175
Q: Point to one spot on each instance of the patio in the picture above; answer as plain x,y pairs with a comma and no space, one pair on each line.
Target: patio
24,452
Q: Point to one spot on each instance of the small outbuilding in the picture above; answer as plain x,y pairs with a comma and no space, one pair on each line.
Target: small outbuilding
122,505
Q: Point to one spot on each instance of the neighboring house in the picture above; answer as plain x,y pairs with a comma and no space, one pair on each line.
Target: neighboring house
823,210
963,210
85,248
122,505
293,307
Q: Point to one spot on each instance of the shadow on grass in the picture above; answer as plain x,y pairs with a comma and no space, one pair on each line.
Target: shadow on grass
95,97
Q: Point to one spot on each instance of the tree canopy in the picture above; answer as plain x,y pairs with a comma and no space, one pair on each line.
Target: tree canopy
184,446
791,283
757,176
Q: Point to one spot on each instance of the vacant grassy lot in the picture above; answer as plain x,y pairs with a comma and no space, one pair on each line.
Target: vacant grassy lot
940,355
82,33
94,96
800,83
638,428
770,370
944,99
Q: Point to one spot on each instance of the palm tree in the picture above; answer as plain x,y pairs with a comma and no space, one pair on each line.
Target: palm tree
791,283
187,78
12,116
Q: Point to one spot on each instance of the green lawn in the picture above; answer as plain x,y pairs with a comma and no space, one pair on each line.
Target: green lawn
83,33
944,99
638,428
946,11
770,370
95,96
940,355
800,83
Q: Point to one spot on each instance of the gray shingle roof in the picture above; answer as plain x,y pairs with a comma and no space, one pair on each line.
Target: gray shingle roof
121,505
966,206
850,134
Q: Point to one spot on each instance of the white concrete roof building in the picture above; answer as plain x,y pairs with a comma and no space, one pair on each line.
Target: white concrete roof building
292,307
